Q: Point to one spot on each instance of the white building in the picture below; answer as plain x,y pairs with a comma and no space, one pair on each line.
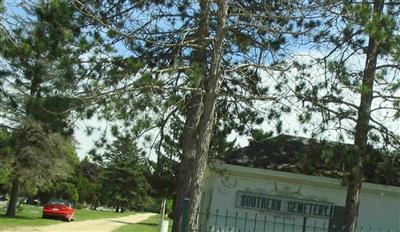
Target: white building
241,196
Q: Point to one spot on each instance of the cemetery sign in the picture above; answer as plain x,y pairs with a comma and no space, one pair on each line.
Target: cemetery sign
284,205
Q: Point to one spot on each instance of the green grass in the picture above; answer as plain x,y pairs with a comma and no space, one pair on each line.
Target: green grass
149,225
32,216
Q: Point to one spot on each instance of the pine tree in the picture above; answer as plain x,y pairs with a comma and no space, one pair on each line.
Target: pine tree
41,82
125,176
350,97
196,55
38,159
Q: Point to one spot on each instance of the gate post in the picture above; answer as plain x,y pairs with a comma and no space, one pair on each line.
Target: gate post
304,224
185,215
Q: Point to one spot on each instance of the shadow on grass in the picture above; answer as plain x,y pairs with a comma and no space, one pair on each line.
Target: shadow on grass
121,222
18,217
147,224
139,223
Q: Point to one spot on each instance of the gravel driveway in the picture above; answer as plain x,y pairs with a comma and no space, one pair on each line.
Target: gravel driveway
98,225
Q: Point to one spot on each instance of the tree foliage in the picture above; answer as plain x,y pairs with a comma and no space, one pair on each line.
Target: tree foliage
41,53
125,176
203,65
5,160
40,158
181,76
351,88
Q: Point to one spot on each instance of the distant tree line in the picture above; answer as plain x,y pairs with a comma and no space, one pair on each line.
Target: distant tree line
120,178
52,66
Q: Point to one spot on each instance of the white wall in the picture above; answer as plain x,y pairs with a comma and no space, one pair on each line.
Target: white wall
378,209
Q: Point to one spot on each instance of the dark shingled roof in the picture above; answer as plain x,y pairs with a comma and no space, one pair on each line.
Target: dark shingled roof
315,157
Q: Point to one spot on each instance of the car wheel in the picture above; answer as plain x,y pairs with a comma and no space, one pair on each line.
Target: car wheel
44,216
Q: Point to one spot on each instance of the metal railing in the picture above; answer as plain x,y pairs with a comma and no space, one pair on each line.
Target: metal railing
225,221
236,222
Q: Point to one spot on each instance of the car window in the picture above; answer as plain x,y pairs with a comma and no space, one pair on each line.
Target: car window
59,202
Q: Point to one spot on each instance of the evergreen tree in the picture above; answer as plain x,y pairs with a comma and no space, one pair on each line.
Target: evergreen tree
88,182
5,159
125,177
197,55
355,100
38,159
43,75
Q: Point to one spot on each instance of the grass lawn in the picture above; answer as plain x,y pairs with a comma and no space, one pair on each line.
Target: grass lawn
149,225
32,216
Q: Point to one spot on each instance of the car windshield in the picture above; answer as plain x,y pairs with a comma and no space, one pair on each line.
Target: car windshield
59,202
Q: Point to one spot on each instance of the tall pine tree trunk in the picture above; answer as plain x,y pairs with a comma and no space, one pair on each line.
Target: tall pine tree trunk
200,118
12,204
193,114
117,206
361,135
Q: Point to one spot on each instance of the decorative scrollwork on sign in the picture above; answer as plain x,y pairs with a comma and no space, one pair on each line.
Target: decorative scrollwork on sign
286,191
228,184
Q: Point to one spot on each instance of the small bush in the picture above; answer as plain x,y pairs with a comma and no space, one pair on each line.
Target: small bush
79,206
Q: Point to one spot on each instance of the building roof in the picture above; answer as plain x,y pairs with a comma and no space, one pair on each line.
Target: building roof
315,157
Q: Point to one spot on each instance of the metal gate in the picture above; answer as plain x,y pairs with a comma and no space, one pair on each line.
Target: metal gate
236,222
226,221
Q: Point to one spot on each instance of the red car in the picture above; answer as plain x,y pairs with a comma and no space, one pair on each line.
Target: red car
57,208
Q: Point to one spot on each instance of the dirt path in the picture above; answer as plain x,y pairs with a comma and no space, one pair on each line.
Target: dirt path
98,225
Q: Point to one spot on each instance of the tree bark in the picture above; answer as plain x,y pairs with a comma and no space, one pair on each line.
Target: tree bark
193,114
361,135
12,204
117,207
200,118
